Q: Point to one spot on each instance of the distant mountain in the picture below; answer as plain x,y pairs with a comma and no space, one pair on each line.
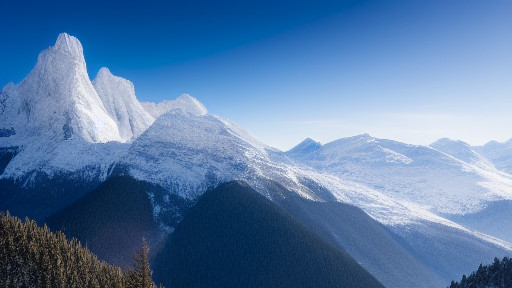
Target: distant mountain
432,177
498,153
307,146
458,149
234,237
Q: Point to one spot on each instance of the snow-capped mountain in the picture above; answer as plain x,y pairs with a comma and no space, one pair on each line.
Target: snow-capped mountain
427,176
58,123
118,97
462,151
57,100
498,153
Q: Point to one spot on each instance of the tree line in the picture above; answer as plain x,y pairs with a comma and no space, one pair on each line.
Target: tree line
498,274
31,256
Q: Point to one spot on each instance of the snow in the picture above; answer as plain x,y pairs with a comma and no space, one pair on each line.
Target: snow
200,150
498,153
63,123
306,146
185,102
421,175
57,94
118,96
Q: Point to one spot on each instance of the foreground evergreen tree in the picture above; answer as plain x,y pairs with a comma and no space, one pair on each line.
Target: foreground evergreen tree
496,275
140,277
31,256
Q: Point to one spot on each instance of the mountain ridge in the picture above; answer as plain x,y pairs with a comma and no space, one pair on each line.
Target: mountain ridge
187,151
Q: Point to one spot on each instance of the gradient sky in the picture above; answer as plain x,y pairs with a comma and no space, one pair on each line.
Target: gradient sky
412,70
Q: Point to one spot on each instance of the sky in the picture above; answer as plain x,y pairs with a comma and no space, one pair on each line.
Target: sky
412,71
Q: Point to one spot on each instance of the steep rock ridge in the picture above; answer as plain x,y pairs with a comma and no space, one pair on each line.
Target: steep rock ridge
55,118
118,97
57,100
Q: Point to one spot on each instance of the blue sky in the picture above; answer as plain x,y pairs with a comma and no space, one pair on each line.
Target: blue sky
412,71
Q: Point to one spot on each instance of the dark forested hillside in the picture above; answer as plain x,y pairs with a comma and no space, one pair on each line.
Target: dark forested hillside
234,237
374,246
496,275
112,219
35,257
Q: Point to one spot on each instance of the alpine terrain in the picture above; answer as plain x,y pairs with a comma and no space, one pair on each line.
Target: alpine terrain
87,158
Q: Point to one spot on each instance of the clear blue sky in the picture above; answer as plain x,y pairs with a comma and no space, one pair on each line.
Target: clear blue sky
411,70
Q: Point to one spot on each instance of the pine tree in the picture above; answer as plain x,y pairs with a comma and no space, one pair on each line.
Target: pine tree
31,256
140,277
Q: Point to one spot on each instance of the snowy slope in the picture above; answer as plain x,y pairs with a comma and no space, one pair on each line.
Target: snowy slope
462,151
427,177
118,97
500,154
189,153
62,124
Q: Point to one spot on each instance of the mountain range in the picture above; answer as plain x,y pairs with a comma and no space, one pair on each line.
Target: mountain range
86,157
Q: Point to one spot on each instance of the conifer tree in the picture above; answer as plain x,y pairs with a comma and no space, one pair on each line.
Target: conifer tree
140,277
31,256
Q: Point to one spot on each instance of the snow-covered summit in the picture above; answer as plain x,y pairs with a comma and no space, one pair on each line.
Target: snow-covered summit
185,102
69,44
118,97
500,154
194,152
456,148
57,100
307,146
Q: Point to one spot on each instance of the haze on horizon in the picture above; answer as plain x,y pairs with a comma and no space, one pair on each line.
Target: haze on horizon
412,71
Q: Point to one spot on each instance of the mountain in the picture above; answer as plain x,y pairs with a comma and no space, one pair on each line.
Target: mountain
498,153
458,149
307,146
429,177
55,115
118,97
409,196
377,248
57,100
234,237
430,181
